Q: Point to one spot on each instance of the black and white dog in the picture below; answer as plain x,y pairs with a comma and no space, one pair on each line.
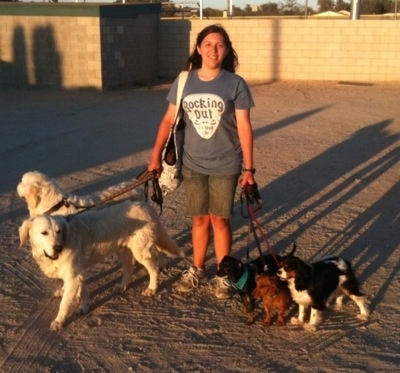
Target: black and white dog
311,284
242,276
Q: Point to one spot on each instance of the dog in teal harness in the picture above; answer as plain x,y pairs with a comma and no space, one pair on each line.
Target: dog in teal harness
242,276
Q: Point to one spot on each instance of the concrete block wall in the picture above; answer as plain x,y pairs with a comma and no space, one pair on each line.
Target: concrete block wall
294,49
129,52
51,52
76,46
101,47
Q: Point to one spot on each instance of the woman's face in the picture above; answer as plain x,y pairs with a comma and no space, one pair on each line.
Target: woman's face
212,50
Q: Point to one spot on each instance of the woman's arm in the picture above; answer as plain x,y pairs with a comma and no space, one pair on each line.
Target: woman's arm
245,132
162,136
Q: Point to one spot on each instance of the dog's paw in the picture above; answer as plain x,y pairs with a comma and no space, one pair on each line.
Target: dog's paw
119,289
267,322
149,292
310,327
296,321
281,322
250,319
338,305
59,293
362,317
56,325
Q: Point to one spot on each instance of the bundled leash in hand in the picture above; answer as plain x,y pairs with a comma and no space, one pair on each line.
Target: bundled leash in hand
250,197
157,195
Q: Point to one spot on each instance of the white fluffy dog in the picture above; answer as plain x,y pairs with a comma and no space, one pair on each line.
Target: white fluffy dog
42,194
64,247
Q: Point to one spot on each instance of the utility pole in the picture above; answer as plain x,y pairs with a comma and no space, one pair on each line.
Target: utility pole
355,9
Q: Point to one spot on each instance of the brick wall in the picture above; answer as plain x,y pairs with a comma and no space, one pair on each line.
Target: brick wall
129,51
43,51
101,47
78,45
295,49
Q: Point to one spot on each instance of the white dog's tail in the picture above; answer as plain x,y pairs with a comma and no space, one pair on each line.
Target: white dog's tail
135,194
166,244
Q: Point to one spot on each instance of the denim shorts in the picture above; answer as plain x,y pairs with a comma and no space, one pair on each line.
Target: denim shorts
209,194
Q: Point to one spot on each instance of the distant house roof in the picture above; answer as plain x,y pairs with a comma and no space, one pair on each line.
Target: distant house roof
328,14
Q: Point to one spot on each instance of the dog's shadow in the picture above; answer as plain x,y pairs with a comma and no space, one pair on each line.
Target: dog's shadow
102,284
343,320
333,319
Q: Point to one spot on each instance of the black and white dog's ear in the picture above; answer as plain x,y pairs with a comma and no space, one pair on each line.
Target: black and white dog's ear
24,232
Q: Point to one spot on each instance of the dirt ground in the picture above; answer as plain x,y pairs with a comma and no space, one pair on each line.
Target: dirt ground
327,158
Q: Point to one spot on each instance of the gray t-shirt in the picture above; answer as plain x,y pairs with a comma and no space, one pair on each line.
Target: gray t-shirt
211,144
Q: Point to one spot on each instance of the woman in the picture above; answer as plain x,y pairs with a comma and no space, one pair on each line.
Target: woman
218,147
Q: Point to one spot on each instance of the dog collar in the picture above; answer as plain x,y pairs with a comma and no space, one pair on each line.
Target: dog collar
57,206
243,280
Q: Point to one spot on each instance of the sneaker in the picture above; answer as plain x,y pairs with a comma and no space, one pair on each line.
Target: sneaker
223,289
190,280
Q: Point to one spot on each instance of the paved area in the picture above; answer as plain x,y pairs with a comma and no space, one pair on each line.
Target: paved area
327,158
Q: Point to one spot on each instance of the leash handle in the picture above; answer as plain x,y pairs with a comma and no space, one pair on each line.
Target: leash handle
252,197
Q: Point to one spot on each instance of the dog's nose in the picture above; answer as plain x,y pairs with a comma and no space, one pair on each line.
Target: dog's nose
57,248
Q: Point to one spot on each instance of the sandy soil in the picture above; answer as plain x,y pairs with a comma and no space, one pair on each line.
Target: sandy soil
327,158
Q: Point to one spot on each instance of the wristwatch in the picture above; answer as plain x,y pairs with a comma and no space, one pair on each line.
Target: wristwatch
252,170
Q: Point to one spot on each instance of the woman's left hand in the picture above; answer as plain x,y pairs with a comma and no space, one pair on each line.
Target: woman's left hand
247,178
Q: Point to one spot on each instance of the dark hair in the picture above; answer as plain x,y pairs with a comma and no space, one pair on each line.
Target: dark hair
230,62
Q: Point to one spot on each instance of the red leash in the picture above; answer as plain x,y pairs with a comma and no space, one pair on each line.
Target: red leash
252,197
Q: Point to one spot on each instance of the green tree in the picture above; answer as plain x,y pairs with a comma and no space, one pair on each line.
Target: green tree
210,12
325,5
237,11
270,9
377,6
342,5
290,8
248,9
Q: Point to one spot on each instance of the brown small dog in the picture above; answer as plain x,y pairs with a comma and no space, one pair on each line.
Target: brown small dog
275,295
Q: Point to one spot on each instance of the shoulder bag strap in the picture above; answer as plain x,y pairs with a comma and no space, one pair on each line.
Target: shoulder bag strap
181,84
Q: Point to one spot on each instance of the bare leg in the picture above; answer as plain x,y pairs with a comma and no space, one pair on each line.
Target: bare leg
200,238
222,237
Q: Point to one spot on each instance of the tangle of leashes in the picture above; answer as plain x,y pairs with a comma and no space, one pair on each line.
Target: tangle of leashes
143,178
157,195
252,198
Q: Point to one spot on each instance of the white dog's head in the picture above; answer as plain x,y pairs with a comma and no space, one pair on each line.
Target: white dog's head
46,234
38,191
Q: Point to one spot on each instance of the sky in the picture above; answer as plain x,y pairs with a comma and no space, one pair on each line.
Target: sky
216,4
223,4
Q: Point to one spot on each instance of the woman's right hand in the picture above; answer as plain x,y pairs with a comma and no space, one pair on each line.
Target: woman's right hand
155,166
